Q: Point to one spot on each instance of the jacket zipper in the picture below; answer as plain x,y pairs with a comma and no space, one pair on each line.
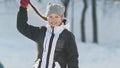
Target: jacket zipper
45,45
50,46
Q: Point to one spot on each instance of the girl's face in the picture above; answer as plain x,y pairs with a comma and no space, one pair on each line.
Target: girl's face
54,20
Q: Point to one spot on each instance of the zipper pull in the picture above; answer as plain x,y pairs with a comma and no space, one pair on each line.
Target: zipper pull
52,30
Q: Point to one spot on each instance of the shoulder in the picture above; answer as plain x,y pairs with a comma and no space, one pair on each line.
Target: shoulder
43,28
68,33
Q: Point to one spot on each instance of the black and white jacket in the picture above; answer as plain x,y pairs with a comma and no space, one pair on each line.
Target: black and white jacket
56,47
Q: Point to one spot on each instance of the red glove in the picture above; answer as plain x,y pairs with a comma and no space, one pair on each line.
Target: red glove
24,3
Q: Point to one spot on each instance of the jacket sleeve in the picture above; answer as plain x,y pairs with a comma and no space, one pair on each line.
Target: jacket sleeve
72,52
24,28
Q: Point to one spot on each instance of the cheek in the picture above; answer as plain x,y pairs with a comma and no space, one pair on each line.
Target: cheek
59,21
49,21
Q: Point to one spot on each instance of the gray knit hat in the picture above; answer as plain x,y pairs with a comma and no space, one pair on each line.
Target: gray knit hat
55,8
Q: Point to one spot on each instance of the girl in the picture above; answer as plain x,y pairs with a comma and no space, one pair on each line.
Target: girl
56,46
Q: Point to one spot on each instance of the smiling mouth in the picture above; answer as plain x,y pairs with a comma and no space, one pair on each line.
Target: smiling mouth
53,22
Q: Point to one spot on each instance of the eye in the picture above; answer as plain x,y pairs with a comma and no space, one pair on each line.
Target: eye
50,17
57,17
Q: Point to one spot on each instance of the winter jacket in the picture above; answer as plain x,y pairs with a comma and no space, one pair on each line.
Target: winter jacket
56,47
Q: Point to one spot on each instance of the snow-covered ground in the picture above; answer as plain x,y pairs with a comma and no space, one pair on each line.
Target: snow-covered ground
17,51
98,56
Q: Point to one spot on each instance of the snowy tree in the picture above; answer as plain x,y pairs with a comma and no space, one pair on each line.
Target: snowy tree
1,65
65,3
94,18
83,21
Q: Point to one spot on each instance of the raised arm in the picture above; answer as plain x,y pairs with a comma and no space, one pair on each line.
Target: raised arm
22,25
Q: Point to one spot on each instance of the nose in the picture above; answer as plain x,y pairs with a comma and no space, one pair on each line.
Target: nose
53,19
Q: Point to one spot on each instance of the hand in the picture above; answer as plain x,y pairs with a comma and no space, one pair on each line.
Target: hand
24,3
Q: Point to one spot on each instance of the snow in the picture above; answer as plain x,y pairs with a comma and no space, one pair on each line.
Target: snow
17,51
98,56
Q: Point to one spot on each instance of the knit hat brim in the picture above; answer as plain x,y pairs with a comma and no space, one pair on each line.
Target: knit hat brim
56,9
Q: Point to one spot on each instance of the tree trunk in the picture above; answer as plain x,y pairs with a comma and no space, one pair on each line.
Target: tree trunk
1,65
65,14
65,3
72,16
83,21
39,0
94,17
